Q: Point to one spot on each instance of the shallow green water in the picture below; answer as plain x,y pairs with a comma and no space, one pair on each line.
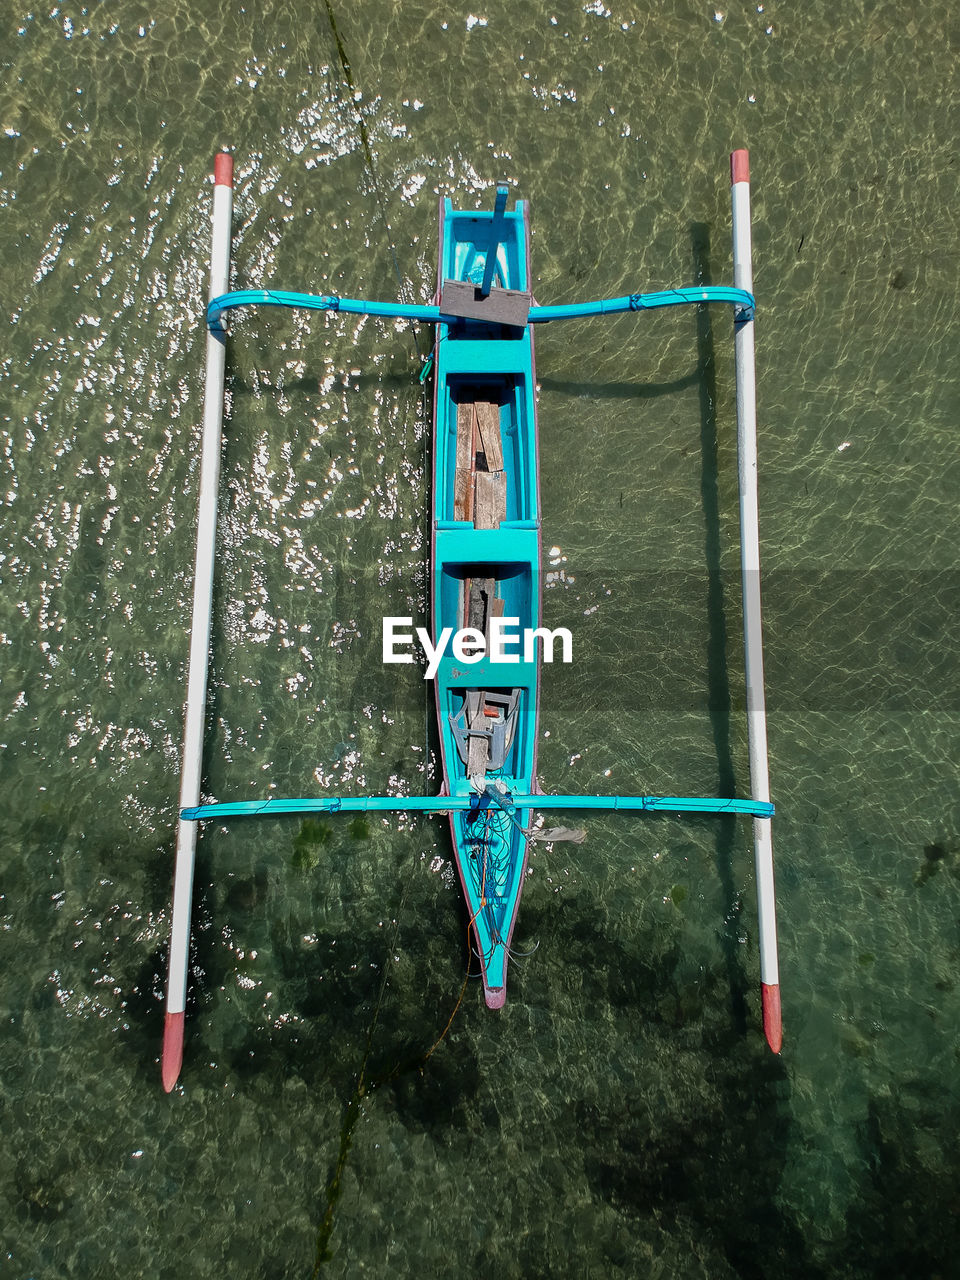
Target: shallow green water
622,1116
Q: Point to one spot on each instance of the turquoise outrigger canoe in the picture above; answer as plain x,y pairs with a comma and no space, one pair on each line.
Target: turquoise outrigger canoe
485,578
486,558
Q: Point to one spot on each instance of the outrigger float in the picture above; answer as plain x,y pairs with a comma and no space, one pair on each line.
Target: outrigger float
486,566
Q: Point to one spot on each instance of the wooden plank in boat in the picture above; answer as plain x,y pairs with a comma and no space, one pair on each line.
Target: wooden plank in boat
463,477
478,755
489,588
478,749
491,499
494,611
476,605
463,495
488,425
466,420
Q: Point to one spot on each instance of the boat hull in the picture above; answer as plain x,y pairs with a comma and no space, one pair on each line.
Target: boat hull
486,557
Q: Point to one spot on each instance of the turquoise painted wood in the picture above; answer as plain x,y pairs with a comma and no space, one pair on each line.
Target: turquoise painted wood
695,295
476,360
281,806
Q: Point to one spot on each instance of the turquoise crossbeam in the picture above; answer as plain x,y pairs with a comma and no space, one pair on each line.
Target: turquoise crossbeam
738,298
276,807
742,301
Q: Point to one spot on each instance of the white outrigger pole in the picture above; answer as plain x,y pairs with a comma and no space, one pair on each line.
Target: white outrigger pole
199,631
750,569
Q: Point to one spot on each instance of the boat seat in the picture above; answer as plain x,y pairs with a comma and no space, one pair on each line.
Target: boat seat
462,298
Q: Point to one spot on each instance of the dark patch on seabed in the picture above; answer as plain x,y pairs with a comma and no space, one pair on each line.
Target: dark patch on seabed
712,1166
906,1221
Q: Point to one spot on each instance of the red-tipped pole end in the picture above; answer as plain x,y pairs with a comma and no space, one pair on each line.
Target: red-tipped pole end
172,1058
772,1020
740,166
223,169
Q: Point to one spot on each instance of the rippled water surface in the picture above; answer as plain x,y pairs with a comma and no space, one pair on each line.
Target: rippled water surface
622,1116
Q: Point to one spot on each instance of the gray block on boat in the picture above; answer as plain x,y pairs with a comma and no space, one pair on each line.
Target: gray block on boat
500,306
